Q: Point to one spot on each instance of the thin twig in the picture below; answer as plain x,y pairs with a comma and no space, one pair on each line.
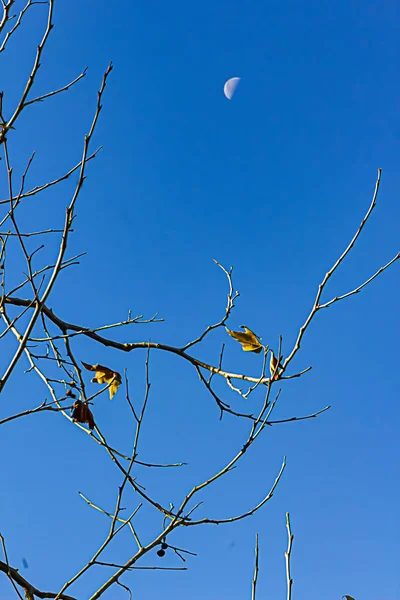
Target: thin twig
245,514
68,219
6,9
32,233
125,587
230,305
319,412
33,74
8,571
62,89
289,579
360,287
40,188
44,406
18,21
321,286
255,576
105,564
24,583
66,263
120,519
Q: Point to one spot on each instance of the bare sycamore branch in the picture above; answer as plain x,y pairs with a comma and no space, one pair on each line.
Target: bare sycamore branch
6,18
68,222
21,104
18,580
289,579
128,347
40,188
288,552
42,407
230,305
255,576
32,233
55,92
143,568
7,567
317,306
6,12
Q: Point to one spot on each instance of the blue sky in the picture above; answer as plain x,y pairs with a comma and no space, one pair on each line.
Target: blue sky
275,183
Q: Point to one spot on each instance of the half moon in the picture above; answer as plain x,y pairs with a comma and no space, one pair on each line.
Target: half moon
230,87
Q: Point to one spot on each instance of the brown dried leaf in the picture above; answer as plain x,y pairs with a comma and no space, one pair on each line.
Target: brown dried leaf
348,597
82,414
273,362
249,340
105,375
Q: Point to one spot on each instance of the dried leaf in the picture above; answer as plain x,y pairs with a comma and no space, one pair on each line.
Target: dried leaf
105,375
28,594
82,414
249,340
272,365
348,597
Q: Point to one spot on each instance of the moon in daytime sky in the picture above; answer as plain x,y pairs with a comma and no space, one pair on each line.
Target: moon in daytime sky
230,87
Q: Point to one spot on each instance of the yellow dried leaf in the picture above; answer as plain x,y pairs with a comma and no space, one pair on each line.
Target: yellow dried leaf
105,375
249,340
115,385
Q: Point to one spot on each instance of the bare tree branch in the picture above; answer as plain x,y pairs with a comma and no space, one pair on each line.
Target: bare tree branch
32,411
6,13
141,568
289,579
18,21
45,186
8,569
16,578
68,220
62,89
255,576
230,305
316,305
32,76
360,287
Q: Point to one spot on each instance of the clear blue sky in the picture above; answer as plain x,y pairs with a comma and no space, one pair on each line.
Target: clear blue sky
275,183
